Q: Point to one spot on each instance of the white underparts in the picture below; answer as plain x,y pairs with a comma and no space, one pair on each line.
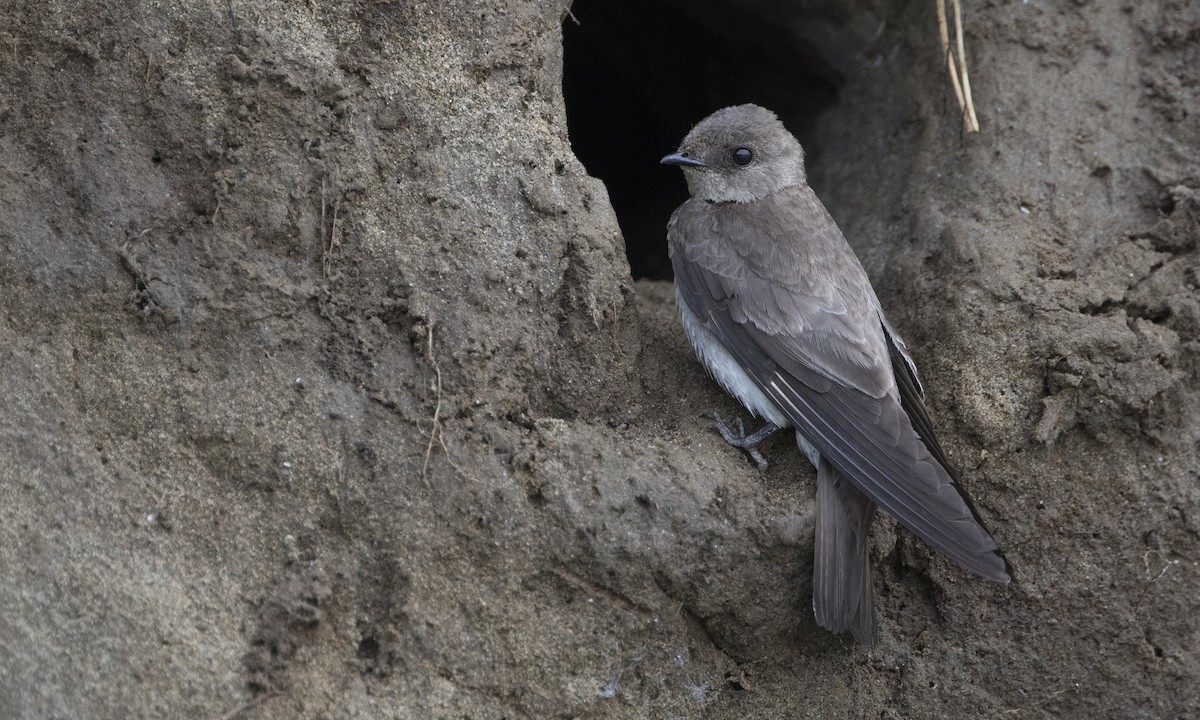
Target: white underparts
727,371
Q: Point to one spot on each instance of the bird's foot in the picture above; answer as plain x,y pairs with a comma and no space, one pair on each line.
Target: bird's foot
747,442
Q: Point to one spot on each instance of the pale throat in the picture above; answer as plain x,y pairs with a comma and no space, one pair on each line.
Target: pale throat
718,187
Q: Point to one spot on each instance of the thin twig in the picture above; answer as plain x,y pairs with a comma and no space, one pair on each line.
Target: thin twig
962,88
944,32
217,209
333,234
435,429
970,119
436,426
611,598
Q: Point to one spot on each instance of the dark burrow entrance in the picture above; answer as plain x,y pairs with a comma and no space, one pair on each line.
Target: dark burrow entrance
638,74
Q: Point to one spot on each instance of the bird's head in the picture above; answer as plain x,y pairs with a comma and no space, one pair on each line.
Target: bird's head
739,154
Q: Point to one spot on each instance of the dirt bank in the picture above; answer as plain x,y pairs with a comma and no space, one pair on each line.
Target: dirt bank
328,394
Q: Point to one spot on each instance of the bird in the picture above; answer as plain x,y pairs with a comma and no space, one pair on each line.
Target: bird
782,314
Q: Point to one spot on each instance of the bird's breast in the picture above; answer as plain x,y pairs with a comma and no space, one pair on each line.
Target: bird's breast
721,364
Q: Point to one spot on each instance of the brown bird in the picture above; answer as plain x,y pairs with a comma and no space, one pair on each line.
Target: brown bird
781,312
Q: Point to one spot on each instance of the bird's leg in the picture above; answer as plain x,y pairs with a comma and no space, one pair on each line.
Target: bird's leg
740,439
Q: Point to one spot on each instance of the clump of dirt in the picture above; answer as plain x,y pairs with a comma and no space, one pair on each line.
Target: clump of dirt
284,618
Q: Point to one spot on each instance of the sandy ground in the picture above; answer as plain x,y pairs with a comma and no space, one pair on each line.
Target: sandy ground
328,395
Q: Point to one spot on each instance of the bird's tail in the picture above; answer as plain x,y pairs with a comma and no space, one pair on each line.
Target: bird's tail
843,598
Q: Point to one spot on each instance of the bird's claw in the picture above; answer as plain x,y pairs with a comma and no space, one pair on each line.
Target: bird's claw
740,439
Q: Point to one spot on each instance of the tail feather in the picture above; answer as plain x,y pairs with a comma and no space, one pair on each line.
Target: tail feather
843,598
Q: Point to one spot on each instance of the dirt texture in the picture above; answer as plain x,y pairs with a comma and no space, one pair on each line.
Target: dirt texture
327,393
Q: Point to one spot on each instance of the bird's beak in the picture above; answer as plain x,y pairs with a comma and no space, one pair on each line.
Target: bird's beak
681,158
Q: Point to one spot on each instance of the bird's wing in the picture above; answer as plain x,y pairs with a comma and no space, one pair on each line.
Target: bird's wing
774,271
906,369
777,285
912,399
912,395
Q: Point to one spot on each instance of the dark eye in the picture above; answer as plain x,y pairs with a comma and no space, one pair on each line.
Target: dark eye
743,156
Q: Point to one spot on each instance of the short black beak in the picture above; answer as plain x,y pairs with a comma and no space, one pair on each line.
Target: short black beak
681,158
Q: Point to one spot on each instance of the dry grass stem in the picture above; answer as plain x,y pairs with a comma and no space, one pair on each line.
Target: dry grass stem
960,81
334,241
435,428
969,118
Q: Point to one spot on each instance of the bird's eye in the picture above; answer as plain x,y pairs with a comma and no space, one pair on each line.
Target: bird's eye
743,156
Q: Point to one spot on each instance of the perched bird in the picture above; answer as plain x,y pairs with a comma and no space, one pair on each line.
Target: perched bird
781,312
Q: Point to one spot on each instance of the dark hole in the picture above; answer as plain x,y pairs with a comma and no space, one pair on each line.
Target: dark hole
638,74
368,648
